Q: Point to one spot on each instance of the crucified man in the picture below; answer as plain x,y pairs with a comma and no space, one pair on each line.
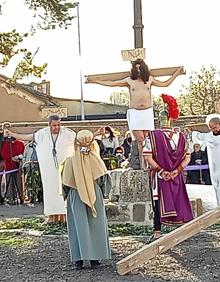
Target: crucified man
140,115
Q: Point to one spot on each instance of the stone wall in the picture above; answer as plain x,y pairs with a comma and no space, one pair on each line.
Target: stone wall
119,124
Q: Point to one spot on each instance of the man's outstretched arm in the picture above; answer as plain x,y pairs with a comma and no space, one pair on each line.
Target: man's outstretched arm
117,83
167,82
23,137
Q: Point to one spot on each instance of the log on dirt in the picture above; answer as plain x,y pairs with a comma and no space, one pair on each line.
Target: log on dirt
168,241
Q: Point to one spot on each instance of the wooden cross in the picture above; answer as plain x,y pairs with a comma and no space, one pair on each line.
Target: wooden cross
138,43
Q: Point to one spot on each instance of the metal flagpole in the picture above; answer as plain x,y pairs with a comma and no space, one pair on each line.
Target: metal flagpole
81,76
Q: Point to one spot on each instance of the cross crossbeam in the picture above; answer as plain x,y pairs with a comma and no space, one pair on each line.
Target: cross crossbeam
121,75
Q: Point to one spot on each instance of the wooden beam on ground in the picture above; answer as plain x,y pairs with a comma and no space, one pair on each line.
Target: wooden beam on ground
122,75
168,241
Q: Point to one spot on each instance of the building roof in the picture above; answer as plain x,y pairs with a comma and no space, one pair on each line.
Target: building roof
48,99
30,91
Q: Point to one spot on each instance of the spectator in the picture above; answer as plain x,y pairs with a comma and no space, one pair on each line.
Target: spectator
127,144
198,157
101,147
31,172
2,168
109,140
12,152
119,155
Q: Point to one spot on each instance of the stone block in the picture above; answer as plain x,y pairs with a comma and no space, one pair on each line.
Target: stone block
118,213
139,212
116,181
193,205
197,207
134,186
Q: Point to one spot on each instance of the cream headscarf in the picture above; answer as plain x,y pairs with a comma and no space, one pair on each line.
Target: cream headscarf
81,170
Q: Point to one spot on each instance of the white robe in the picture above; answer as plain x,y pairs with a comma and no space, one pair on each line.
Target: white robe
213,149
53,202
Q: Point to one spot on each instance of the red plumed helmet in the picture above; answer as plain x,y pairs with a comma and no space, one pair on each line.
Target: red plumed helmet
173,108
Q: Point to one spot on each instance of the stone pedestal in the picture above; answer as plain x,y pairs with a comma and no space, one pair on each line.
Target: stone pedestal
130,198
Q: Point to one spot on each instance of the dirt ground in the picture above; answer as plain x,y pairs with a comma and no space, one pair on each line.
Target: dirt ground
47,259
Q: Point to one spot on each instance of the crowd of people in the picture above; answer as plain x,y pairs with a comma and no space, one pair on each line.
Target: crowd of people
115,150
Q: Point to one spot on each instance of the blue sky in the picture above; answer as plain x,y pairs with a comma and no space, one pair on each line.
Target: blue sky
182,32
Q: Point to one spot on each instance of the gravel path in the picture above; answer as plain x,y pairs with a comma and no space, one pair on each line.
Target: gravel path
21,211
47,259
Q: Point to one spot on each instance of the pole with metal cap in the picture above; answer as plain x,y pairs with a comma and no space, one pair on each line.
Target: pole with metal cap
81,76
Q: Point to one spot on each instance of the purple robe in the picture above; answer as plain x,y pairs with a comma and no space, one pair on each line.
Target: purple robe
175,207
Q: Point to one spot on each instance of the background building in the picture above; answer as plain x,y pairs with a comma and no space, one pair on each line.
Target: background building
33,102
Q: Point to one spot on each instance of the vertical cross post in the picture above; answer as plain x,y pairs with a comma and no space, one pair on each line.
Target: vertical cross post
138,26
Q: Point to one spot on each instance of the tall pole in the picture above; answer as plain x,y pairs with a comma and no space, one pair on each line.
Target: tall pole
81,76
138,26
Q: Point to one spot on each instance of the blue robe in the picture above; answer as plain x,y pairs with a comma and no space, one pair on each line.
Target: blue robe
88,235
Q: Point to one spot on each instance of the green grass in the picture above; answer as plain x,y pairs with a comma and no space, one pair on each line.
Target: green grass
215,226
34,224
12,240
59,229
30,223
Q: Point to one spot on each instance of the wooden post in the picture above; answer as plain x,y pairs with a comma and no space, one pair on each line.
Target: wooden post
168,241
138,26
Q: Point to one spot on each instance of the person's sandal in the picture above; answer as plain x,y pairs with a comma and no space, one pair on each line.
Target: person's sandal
79,264
154,237
94,264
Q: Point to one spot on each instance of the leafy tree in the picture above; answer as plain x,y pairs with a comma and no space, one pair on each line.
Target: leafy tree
199,97
50,15
123,97
120,98
158,105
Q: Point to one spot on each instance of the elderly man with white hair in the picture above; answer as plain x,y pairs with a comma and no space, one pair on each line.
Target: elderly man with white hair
212,141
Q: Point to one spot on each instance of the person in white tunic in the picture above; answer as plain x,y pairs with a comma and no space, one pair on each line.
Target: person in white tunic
212,141
53,145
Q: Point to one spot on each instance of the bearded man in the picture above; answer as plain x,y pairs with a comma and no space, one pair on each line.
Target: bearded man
140,115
